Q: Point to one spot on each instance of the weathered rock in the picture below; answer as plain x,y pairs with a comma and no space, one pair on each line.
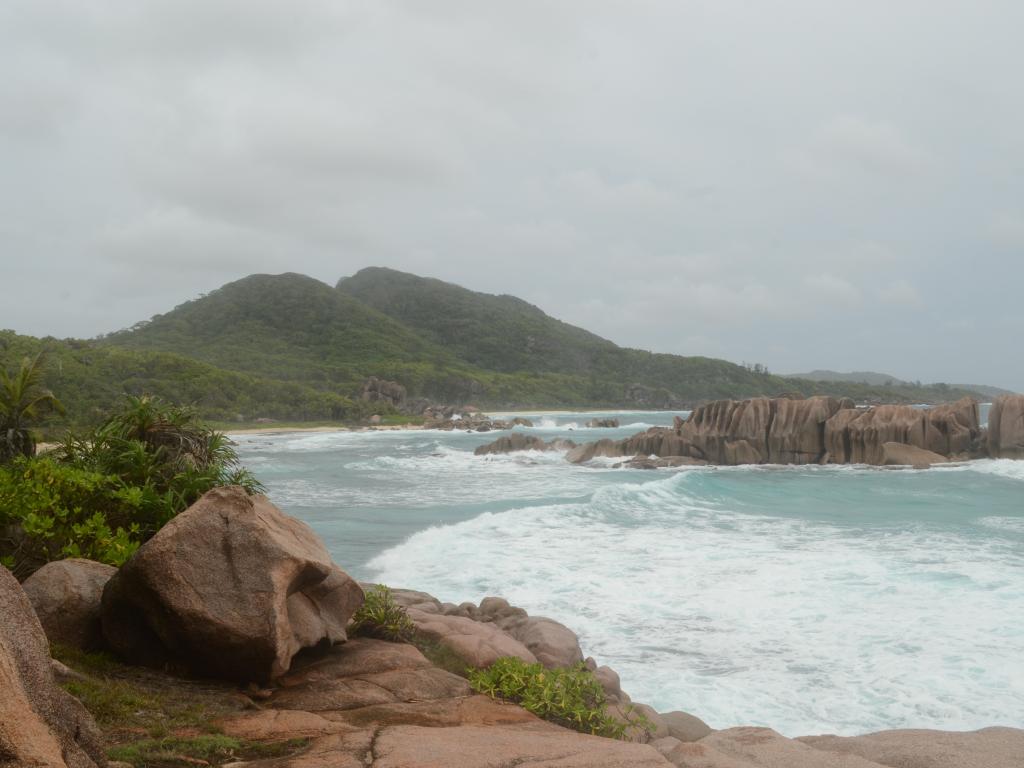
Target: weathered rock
519,441
41,726
987,748
232,587
496,608
525,746
520,421
785,430
953,428
645,462
605,447
757,748
554,644
610,683
280,724
898,454
365,672
66,597
946,430
478,643
1006,427
684,726
603,424
797,434
441,713
380,391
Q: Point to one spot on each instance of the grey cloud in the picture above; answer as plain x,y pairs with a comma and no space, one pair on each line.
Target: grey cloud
801,184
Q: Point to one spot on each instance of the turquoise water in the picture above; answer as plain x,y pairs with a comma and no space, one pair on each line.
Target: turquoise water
820,599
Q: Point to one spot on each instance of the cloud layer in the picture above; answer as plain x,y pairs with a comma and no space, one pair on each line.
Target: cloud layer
801,184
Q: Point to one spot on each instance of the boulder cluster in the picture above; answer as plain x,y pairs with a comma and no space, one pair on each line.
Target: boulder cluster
816,430
235,589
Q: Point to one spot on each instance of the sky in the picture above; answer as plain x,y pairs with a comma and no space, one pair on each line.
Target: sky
800,184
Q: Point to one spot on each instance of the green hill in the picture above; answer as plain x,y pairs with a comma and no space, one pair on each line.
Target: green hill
853,377
89,378
290,347
503,333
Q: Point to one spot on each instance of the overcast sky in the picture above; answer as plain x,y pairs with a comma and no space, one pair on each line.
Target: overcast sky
803,184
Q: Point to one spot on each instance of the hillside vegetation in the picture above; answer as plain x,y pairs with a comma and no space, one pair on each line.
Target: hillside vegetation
288,347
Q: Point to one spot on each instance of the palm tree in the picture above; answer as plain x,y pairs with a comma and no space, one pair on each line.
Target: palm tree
23,399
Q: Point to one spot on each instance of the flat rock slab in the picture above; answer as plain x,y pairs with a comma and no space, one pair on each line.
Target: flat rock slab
281,725
444,713
366,672
987,748
537,745
523,746
757,748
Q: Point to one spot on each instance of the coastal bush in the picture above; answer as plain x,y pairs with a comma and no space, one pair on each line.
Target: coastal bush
571,697
23,399
381,617
103,494
50,511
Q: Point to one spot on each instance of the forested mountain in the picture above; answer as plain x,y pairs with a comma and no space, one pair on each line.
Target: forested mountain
853,377
290,347
88,378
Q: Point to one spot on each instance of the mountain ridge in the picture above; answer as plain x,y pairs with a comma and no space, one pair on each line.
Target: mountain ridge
255,337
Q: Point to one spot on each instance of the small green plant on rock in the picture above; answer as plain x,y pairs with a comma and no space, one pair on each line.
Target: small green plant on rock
381,617
571,697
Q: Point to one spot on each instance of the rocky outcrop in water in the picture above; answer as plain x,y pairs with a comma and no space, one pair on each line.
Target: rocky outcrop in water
231,588
816,430
603,424
41,726
519,441
1006,427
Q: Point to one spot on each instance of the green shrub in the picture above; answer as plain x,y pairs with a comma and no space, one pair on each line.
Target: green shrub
50,511
570,697
103,494
380,616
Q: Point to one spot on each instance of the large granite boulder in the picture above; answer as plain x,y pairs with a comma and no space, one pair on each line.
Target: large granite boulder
953,429
857,437
232,587
1006,427
479,644
797,433
41,726
554,644
66,597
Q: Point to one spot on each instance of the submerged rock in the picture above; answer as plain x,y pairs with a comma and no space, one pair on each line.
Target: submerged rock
520,441
231,588
41,726
66,596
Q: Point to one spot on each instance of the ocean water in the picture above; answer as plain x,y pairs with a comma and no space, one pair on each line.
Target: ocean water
821,599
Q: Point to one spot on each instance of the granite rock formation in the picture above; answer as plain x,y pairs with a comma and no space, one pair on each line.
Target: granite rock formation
231,588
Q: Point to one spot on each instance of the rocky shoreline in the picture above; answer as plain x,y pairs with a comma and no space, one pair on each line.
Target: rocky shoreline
233,589
816,430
